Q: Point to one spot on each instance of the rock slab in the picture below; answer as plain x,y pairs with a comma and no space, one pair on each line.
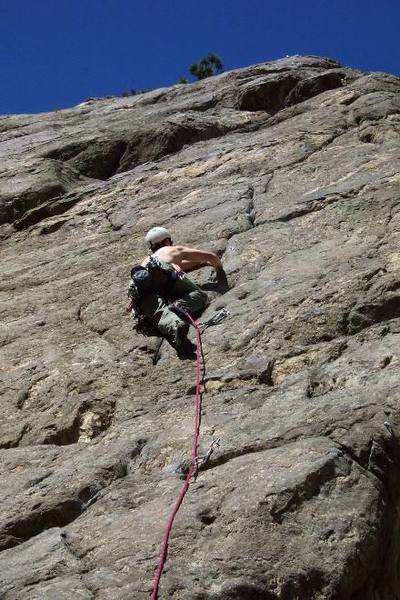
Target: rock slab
290,171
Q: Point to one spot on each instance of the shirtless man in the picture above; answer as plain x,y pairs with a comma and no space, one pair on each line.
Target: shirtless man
181,257
183,294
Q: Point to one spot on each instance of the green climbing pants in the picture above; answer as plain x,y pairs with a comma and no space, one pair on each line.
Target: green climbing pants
184,294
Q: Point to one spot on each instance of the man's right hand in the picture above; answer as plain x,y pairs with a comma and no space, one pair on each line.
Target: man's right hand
222,279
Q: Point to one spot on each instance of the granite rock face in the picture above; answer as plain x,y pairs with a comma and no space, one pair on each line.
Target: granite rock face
289,170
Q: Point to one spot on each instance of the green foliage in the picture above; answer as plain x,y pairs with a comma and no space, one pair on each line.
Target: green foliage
207,66
183,80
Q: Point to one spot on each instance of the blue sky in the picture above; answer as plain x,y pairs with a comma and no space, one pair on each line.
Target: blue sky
56,53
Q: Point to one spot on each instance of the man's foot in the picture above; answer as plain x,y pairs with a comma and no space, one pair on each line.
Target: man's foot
181,332
185,349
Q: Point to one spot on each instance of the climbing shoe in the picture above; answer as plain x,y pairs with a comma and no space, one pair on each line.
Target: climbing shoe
181,332
185,349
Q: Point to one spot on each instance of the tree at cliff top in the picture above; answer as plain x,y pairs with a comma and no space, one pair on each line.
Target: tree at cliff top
207,67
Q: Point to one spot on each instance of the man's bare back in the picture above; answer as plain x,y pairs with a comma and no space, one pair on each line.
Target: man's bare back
186,259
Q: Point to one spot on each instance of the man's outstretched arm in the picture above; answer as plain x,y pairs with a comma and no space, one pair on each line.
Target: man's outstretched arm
190,259
193,258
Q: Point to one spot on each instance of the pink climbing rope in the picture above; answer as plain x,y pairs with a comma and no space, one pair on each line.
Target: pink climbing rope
192,468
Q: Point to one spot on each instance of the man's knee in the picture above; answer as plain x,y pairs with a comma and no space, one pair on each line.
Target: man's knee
195,301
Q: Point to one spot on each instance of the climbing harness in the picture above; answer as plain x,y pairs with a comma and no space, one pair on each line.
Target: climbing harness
155,277
194,463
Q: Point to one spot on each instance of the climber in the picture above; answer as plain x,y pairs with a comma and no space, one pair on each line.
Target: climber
162,293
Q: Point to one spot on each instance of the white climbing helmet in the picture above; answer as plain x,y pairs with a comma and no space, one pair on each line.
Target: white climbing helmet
157,234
